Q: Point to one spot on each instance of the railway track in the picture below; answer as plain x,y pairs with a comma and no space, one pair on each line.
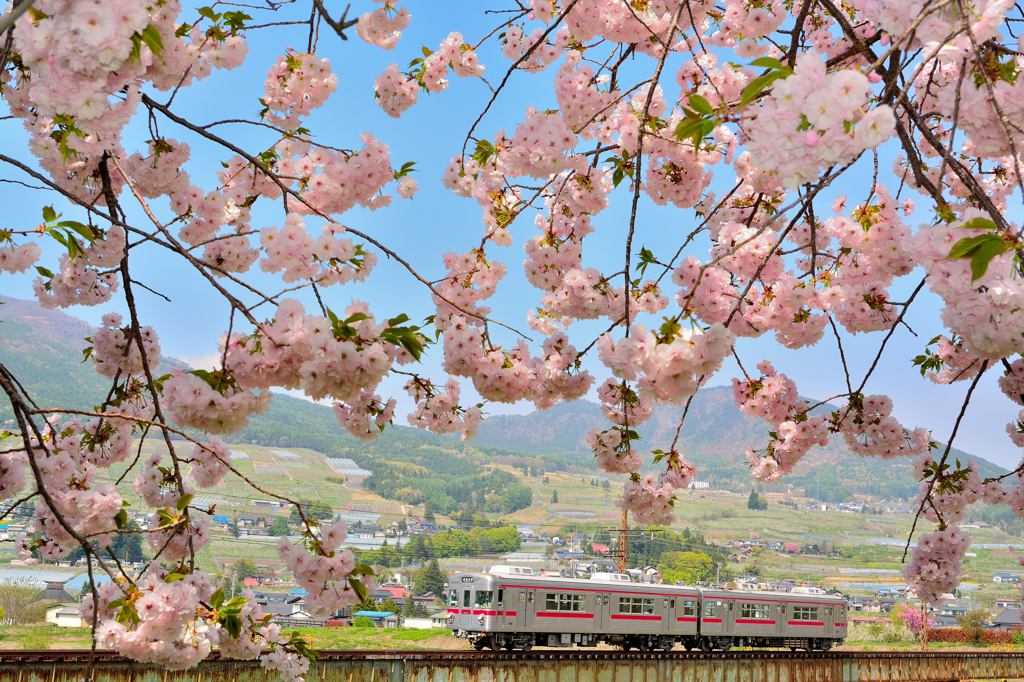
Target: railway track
8,657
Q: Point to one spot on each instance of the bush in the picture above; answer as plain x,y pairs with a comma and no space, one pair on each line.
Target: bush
362,622
962,636
1018,638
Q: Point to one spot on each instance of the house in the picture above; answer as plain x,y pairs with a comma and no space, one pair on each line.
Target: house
1007,604
439,619
386,619
54,591
426,600
598,549
65,616
395,590
1007,619
1005,578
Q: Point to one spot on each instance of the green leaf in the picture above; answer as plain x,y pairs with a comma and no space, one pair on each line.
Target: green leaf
184,502
981,249
395,321
985,253
217,598
78,227
233,624
701,105
208,13
49,215
767,63
978,224
174,577
153,41
44,272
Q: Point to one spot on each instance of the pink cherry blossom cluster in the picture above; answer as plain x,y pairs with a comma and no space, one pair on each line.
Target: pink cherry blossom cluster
191,401
397,91
382,29
439,411
667,370
210,462
78,57
296,84
366,416
85,280
935,564
116,351
327,260
516,43
778,141
15,258
325,574
319,355
984,312
869,429
774,398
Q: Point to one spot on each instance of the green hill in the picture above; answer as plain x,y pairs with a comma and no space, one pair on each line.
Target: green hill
43,348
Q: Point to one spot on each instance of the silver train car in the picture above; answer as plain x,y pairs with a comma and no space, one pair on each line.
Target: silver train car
510,608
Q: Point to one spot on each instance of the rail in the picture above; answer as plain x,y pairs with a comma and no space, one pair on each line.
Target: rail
552,665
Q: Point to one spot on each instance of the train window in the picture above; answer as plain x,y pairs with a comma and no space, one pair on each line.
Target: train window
564,602
501,596
635,605
673,604
484,599
606,600
531,598
465,598
453,598
805,613
709,608
665,602
758,611
688,608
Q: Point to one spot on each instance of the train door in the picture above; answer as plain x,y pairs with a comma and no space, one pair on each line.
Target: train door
601,609
531,608
779,613
499,609
466,619
712,616
668,614
520,609
830,621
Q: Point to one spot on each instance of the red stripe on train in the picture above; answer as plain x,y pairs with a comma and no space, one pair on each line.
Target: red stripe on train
755,621
625,617
712,620
564,615
687,620
805,622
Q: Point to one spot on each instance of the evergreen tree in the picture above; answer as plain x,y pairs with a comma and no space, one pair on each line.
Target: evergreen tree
554,497
430,579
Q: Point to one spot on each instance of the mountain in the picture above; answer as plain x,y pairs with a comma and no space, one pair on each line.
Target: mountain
43,349
715,438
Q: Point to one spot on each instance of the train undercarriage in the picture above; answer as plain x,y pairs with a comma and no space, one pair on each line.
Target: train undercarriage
524,641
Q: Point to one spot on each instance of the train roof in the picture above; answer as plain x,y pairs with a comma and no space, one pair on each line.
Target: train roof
612,582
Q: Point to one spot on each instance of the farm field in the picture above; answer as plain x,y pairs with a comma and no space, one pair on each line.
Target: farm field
52,637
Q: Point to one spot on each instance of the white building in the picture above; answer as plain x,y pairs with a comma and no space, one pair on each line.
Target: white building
65,616
699,485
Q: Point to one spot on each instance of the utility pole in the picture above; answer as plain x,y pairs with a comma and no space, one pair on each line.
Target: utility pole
623,530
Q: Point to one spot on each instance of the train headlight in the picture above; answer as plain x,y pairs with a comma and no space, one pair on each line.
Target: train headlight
480,620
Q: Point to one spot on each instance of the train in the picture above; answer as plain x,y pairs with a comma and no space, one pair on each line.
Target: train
510,607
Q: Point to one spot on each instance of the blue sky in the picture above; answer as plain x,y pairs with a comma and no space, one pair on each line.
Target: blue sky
437,221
